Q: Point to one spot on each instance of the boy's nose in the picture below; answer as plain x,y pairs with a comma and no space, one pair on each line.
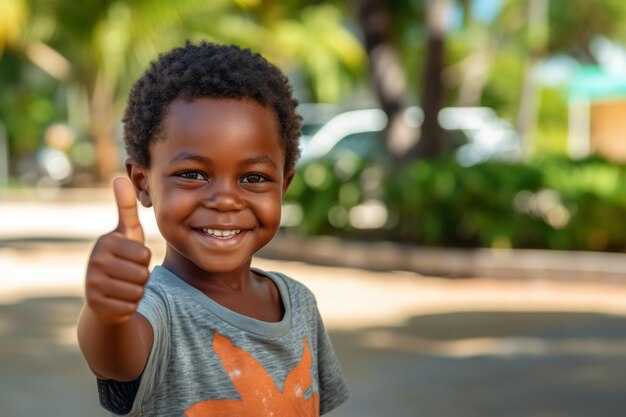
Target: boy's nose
223,197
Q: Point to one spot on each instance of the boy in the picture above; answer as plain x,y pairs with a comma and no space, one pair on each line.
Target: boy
212,137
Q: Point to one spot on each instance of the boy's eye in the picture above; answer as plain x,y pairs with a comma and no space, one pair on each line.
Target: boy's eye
254,178
191,175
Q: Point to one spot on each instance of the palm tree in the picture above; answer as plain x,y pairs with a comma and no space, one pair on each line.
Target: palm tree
388,76
104,45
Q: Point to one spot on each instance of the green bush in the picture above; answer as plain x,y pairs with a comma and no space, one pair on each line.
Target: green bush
441,203
551,203
326,190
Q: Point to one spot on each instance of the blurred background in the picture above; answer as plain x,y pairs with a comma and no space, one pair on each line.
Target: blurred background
458,210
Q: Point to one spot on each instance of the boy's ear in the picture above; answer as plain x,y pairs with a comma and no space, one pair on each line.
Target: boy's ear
288,178
138,175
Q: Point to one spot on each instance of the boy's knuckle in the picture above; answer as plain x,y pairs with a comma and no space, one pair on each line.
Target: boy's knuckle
140,252
90,296
140,293
93,283
135,293
144,275
103,241
129,308
98,260
95,301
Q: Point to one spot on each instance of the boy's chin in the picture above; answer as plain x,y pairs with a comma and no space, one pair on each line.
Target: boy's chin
221,265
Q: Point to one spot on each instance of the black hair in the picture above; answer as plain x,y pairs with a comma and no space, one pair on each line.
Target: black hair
207,70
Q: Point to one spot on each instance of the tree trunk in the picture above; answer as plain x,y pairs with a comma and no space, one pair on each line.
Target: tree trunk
529,99
103,121
387,74
431,142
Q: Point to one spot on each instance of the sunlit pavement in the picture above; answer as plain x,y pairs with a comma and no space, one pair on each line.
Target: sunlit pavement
410,345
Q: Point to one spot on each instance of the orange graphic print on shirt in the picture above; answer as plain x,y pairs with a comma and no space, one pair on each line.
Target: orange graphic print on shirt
259,394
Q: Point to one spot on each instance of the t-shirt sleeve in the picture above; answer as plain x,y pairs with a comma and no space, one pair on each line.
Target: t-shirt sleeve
126,398
332,384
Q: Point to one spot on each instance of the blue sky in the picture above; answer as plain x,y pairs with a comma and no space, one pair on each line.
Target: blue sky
482,10
486,10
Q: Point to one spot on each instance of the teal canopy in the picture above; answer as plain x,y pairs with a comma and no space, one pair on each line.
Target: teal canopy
592,83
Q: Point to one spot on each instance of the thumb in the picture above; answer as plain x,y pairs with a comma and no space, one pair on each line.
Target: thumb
126,201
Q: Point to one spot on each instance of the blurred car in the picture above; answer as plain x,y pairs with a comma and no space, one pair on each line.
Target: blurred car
474,134
478,134
314,117
358,130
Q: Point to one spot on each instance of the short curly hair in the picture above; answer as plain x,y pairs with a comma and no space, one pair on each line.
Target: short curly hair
207,70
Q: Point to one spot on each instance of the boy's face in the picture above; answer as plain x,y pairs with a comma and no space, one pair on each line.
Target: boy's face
216,183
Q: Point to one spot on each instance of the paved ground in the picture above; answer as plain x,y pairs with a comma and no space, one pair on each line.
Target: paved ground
410,345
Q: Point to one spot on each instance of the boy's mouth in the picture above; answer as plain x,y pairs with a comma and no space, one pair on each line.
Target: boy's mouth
221,234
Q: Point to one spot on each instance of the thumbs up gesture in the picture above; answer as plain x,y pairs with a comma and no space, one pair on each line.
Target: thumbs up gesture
117,270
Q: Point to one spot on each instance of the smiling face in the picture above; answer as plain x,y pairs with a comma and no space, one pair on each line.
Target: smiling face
216,182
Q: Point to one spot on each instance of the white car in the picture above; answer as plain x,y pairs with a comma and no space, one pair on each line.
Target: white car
475,133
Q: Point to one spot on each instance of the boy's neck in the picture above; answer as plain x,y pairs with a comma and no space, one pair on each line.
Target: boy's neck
241,290
209,281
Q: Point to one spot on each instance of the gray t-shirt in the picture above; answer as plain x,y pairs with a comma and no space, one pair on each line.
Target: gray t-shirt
207,360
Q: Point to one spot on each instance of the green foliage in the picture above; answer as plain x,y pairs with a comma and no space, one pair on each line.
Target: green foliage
441,203
550,203
573,24
550,136
326,190
28,103
101,47
502,92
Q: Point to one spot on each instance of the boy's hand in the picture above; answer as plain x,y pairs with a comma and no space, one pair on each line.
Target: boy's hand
118,266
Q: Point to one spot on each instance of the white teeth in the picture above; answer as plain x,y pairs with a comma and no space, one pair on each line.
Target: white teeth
224,234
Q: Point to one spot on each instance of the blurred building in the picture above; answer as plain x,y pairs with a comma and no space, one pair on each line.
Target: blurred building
597,114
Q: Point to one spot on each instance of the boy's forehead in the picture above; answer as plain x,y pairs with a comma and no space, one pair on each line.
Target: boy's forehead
189,112
243,121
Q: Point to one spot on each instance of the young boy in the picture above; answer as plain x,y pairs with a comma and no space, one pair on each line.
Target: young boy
212,137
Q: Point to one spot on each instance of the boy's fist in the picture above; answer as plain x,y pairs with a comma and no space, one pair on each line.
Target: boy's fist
118,266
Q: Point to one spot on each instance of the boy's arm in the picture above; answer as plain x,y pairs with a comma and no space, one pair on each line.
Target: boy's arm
114,338
115,351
